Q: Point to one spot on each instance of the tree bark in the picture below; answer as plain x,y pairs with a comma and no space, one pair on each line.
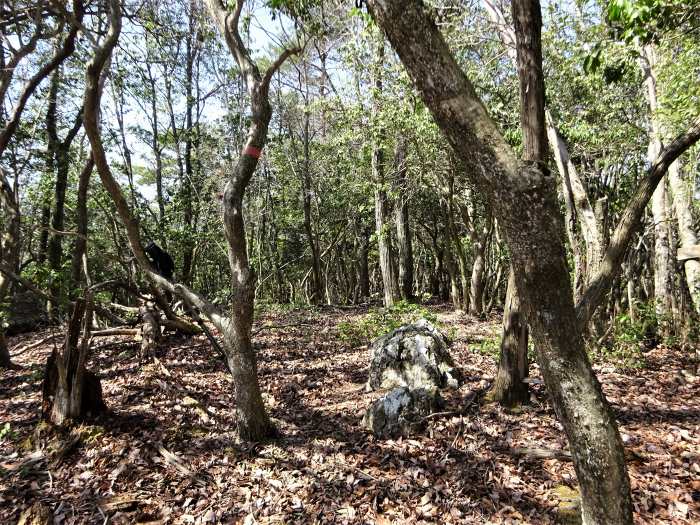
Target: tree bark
522,194
316,283
71,393
681,195
663,292
9,251
381,205
150,331
81,223
59,152
402,222
509,387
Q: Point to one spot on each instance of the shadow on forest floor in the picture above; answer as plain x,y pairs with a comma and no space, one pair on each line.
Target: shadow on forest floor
325,467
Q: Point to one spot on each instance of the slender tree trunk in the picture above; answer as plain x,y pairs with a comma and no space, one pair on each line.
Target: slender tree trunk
509,387
59,150
157,153
45,223
363,276
681,194
401,220
381,212
476,288
9,251
81,223
187,183
316,281
524,200
663,291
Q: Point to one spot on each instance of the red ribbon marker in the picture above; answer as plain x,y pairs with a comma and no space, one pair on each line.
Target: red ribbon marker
252,151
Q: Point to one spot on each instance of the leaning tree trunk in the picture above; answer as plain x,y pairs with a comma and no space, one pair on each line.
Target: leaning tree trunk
524,200
509,387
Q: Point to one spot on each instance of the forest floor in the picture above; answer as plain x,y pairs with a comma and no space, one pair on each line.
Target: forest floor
167,453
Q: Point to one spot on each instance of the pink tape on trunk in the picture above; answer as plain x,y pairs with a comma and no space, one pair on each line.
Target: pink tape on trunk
252,151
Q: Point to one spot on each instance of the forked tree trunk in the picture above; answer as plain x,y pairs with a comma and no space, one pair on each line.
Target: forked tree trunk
524,200
509,388
253,421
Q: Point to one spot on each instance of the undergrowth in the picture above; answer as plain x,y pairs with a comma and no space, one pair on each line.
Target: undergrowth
379,321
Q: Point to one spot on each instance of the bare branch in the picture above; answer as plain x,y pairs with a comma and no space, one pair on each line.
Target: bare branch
265,83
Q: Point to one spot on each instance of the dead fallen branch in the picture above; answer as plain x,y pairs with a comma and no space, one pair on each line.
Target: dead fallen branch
539,453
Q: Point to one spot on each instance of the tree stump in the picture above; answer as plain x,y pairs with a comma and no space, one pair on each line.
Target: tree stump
150,331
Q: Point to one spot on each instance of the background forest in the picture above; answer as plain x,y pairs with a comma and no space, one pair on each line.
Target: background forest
290,160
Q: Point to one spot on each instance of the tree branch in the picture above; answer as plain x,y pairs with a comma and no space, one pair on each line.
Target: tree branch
630,222
63,52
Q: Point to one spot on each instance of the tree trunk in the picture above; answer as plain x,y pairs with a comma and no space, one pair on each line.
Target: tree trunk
187,183
401,220
70,393
363,276
523,199
9,252
59,152
316,281
150,331
476,287
509,388
81,223
663,292
5,358
381,212
157,152
681,194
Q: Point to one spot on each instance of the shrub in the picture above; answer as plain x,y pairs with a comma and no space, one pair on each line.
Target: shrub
379,321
